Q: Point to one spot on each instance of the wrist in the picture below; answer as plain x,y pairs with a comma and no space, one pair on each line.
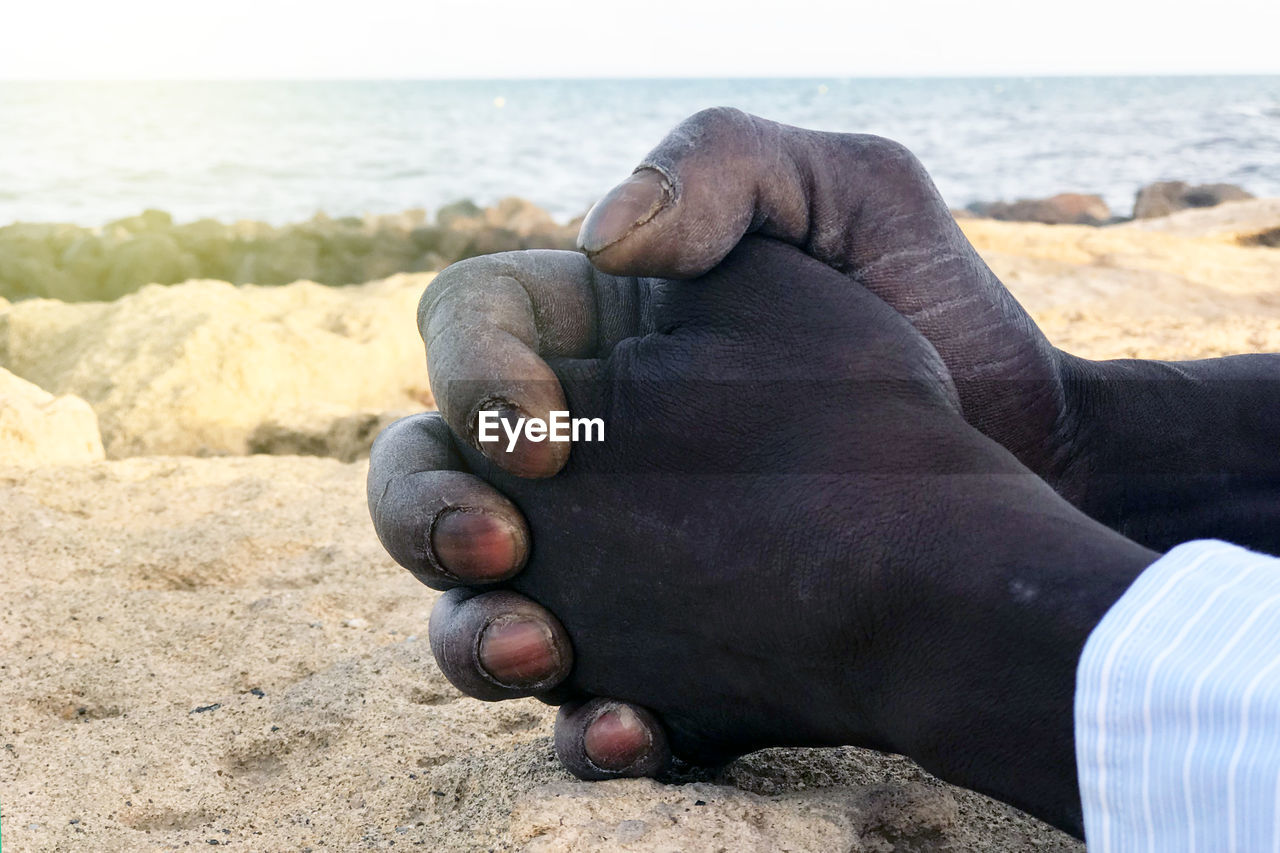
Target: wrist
1165,452
986,690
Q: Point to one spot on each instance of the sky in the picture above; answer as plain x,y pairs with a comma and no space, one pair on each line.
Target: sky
448,39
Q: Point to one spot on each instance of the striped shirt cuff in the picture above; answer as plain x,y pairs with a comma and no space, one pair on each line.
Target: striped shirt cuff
1177,708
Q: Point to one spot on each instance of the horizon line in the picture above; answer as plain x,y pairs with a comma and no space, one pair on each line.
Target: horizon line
841,77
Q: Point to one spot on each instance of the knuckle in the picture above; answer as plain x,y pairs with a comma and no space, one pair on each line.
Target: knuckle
460,277
891,158
410,429
716,122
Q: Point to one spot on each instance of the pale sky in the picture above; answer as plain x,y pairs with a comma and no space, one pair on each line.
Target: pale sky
301,39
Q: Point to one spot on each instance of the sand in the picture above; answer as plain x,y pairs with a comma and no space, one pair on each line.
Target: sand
200,651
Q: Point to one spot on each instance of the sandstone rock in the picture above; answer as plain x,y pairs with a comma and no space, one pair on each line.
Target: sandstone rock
1061,209
37,428
1166,197
197,368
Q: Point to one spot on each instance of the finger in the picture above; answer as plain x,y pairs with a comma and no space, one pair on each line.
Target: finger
498,645
490,323
723,173
441,523
862,205
608,739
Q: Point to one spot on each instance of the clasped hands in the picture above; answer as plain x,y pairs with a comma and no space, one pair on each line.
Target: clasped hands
848,492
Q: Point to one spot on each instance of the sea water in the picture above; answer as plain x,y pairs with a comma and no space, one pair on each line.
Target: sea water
282,151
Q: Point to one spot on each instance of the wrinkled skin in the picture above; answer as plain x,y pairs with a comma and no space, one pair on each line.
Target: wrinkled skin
743,568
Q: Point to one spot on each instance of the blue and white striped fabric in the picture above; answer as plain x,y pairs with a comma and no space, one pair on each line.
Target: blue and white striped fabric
1177,709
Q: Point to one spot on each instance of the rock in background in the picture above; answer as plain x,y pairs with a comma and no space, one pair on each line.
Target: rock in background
198,368
1166,197
77,264
37,428
1061,209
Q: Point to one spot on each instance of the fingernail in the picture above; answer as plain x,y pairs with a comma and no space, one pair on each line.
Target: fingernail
617,739
508,413
626,207
518,652
528,458
473,545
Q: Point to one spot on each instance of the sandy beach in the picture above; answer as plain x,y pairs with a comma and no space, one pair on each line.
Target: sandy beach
203,643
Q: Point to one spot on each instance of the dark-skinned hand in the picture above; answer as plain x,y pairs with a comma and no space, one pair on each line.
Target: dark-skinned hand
791,535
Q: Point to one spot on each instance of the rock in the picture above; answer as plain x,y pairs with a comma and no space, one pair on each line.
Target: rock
463,209
321,431
149,258
28,259
294,256
405,220
446,242
1269,239
487,241
84,262
196,368
37,428
148,220
1061,209
520,216
642,815
210,243
24,276
1166,197
80,264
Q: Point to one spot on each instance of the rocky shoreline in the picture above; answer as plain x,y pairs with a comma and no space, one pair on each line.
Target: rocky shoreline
1151,202
76,264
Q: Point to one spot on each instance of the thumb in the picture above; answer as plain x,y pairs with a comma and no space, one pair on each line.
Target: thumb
862,205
